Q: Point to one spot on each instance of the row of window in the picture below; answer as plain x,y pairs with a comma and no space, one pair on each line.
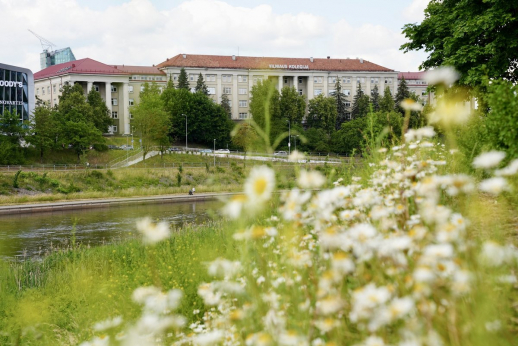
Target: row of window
151,78
115,102
227,78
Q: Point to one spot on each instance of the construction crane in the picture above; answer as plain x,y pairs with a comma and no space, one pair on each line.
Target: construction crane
46,45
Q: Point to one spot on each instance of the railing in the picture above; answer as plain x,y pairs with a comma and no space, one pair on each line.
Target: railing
123,160
15,168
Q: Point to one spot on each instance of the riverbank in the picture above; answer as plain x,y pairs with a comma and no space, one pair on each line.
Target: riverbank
103,203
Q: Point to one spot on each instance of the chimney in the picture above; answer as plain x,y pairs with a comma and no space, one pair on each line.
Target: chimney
311,59
361,61
184,56
234,57
328,57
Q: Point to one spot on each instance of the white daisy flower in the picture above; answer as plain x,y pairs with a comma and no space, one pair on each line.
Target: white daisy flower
152,232
260,184
494,186
489,159
443,75
311,179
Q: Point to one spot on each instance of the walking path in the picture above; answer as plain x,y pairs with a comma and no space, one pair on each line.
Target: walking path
103,203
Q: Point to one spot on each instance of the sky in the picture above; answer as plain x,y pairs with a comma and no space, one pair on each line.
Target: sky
147,32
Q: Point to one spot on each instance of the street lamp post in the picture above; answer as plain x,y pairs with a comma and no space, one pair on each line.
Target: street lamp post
185,115
214,152
295,136
289,136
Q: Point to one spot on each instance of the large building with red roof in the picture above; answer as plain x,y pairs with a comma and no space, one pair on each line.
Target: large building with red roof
119,85
417,84
235,76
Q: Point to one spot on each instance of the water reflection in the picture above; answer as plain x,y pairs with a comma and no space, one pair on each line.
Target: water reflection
33,234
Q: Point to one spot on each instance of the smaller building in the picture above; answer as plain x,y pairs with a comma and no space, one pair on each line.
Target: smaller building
56,57
417,85
16,91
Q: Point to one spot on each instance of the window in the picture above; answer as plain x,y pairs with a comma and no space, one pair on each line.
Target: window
193,90
134,77
43,91
388,80
54,88
348,116
210,78
347,92
191,77
227,90
300,92
243,103
285,80
95,87
143,77
131,115
48,89
55,101
318,80
258,79
423,93
175,77
115,115
141,88
114,128
243,115
242,79
212,91
360,80
317,92
130,88
332,80
114,102
114,89
37,91
346,79
227,78
300,80
331,92
348,104
375,80
243,91
131,102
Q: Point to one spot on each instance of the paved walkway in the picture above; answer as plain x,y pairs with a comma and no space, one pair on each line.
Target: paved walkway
102,203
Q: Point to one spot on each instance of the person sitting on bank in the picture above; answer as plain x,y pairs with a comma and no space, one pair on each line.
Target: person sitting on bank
190,192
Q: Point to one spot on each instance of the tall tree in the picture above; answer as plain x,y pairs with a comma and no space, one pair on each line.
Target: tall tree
183,81
245,137
375,98
12,132
200,86
225,103
340,99
478,37
43,129
150,118
387,102
322,114
361,103
101,116
292,105
402,93
265,108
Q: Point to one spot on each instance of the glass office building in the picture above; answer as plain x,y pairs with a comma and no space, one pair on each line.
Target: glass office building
16,91
56,57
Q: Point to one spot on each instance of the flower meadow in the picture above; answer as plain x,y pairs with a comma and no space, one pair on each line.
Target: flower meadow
388,258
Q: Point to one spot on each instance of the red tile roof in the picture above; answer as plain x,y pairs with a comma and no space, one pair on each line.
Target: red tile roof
82,66
245,62
411,75
140,69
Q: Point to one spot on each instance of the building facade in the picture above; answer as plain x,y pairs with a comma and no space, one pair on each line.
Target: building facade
118,85
16,91
56,57
417,85
235,76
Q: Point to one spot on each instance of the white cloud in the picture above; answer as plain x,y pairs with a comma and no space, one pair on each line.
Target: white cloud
137,33
415,11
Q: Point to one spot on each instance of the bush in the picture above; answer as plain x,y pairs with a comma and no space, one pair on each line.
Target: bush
100,147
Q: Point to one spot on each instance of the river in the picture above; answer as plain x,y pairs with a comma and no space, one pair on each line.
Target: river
33,235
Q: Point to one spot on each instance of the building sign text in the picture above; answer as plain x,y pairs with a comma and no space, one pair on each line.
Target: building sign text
290,67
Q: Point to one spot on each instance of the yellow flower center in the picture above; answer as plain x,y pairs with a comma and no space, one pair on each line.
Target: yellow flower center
260,186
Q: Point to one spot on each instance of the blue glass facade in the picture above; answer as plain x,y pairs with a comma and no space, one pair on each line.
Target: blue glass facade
56,57
16,91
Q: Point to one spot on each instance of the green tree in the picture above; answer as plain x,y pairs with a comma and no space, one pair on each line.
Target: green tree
183,81
150,119
101,116
292,105
265,108
76,125
12,133
387,102
402,93
43,129
340,99
322,114
375,98
225,103
245,137
478,37
200,86
361,103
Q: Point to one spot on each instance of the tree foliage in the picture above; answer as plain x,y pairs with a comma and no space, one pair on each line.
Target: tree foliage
183,81
43,129
12,133
292,105
322,114
201,87
340,100
225,103
101,116
361,103
387,102
245,137
401,94
375,98
478,37
265,108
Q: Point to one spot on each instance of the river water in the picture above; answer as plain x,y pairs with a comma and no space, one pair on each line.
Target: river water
33,235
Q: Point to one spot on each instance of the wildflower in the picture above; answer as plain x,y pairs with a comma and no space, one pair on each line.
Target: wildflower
258,339
224,268
260,184
411,105
373,341
489,159
234,207
443,75
494,185
495,255
511,169
329,305
311,179
493,326
209,296
153,233
97,341
209,338
327,324
108,324
291,338
296,156
155,300
450,112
